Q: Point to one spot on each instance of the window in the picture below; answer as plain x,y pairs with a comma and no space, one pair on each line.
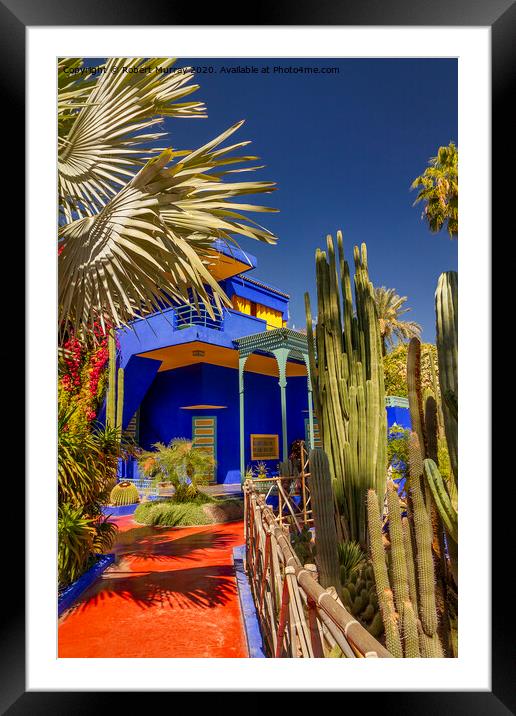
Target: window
264,447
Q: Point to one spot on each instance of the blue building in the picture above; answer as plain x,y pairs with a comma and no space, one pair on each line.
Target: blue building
237,384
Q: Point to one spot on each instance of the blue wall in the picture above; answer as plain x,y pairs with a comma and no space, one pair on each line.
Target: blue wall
400,416
161,416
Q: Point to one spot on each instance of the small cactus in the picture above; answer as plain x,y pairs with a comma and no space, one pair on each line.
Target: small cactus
125,493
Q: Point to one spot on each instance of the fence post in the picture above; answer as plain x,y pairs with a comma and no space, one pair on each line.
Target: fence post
315,634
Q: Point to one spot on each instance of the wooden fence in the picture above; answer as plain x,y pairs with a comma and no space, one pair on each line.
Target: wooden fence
298,618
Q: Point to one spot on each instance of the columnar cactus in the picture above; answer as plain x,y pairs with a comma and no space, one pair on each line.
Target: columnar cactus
321,497
399,559
446,309
120,399
111,391
425,563
415,396
381,576
410,619
347,382
115,389
409,631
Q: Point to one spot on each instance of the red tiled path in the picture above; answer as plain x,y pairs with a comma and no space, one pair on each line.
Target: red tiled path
172,593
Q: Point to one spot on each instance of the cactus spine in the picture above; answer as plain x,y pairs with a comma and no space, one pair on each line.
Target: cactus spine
347,383
446,305
327,557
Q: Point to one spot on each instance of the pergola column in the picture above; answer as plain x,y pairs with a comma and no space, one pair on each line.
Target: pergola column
241,367
281,355
310,404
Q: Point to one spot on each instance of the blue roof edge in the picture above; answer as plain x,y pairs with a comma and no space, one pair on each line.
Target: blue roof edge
236,253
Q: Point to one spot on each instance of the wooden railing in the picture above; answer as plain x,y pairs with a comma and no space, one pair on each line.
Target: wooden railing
298,618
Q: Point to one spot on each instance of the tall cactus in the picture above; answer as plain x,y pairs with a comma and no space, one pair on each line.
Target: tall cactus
410,620
111,390
347,382
115,389
446,310
120,399
327,557
415,397
381,577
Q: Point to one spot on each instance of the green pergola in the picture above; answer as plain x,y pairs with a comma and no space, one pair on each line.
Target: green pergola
282,343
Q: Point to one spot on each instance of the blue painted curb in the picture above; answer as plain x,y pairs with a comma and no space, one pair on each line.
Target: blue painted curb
251,625
119,511
108,510
71,593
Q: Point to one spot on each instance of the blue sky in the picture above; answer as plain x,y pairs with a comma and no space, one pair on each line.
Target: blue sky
343,149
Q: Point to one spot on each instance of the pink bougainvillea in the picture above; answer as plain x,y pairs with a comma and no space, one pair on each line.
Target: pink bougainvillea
82,381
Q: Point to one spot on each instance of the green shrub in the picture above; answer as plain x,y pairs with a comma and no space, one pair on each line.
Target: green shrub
179,463
75,543
86,467
170,514
395,369
351,559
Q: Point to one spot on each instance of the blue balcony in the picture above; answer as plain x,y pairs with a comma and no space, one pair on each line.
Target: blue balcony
187,316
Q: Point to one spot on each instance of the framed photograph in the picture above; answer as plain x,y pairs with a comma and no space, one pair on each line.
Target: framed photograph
293,183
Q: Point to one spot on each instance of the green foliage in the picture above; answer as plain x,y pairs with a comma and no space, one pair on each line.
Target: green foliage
351,559
75,534
170,513
303,545
395,370
125,493
87,462
348,386
397,451
439,190
180,464
389,308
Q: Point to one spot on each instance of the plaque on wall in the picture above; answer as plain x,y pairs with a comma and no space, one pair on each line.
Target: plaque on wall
264,447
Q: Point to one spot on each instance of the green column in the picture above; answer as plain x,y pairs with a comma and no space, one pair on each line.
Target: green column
281,355
241,365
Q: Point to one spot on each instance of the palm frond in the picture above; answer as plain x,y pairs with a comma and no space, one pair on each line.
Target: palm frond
152,244
101,146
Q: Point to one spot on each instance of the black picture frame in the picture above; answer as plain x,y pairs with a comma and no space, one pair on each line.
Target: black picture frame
500,16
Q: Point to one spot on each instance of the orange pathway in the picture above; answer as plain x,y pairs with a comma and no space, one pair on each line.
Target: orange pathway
171,593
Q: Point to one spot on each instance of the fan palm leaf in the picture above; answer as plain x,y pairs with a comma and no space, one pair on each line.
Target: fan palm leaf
137,230
153,242
107,141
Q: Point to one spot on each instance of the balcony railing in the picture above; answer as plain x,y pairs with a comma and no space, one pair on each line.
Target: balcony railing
186,316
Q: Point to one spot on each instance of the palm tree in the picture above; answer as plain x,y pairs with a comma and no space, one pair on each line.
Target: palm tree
137,222
439,188
389,307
